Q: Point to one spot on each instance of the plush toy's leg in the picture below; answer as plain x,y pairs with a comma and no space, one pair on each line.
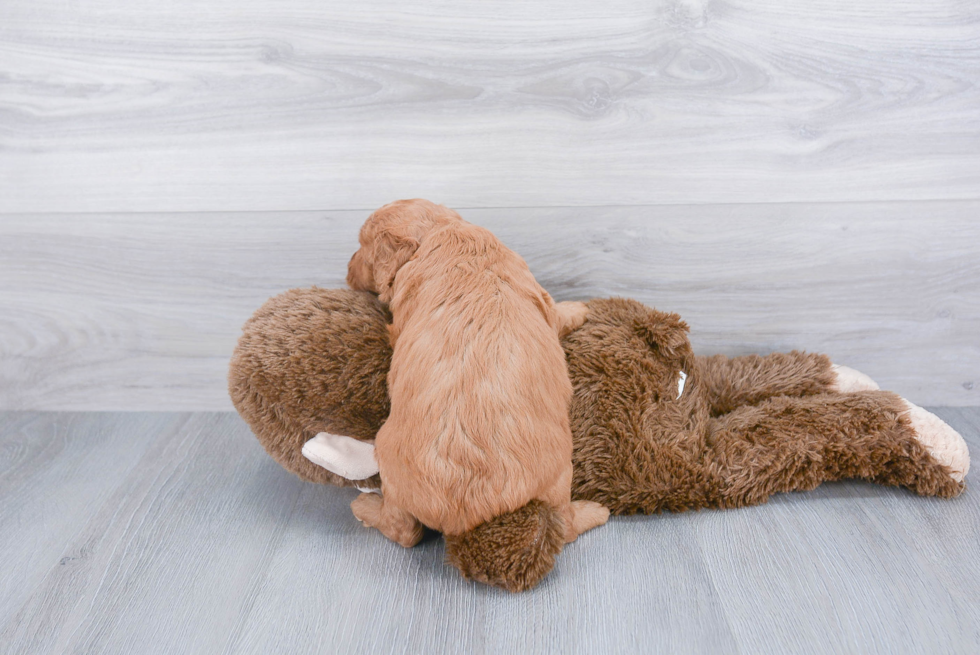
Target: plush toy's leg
787,444
943,442
393,522
733,382
571,316
736,381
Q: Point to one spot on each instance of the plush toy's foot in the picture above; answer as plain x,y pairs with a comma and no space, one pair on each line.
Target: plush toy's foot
943,442
571,316
394,523
848,381
344,456
585,516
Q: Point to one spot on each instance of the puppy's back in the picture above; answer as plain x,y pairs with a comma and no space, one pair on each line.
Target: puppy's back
480,392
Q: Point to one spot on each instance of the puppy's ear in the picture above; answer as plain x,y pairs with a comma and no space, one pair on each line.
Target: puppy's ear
664,332
394,246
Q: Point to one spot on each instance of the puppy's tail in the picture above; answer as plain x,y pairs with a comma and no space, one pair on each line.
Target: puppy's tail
514,550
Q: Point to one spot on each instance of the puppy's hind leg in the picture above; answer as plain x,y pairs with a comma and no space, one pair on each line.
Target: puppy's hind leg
393,522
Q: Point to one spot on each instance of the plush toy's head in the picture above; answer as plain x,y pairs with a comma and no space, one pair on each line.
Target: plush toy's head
311,361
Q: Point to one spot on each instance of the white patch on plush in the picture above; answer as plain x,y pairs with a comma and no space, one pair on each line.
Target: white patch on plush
680,383
943,442
345,456
848,381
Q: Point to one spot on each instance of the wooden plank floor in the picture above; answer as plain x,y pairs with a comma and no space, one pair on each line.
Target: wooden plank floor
175,533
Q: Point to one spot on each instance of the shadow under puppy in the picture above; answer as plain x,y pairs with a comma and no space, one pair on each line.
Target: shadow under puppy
479,420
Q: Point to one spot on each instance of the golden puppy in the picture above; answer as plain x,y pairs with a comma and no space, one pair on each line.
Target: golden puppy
478,383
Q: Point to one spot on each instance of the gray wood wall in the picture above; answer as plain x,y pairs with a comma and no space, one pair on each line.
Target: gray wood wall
785,176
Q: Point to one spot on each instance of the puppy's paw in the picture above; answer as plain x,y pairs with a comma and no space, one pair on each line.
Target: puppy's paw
848,380
397,525
367,509
571,315
943,442
587,515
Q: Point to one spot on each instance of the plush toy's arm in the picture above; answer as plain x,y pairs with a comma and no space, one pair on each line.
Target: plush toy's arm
345,456
736,381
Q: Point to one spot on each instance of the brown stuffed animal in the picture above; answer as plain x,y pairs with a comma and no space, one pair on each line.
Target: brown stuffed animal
655,427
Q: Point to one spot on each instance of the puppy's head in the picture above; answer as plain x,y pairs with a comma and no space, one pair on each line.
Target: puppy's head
389,238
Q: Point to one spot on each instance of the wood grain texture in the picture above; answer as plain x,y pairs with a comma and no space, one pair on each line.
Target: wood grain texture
56,470
242,105
183,536
167,562
142,311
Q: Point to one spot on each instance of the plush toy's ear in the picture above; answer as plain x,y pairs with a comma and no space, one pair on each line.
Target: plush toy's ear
351,459
394,246
665,332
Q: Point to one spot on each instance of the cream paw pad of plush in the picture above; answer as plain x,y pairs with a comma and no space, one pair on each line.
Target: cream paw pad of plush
943,442
848,380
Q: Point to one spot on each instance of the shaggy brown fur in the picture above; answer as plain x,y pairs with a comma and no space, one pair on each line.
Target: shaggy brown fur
514,550
748,380
479,390
743,429
310,361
